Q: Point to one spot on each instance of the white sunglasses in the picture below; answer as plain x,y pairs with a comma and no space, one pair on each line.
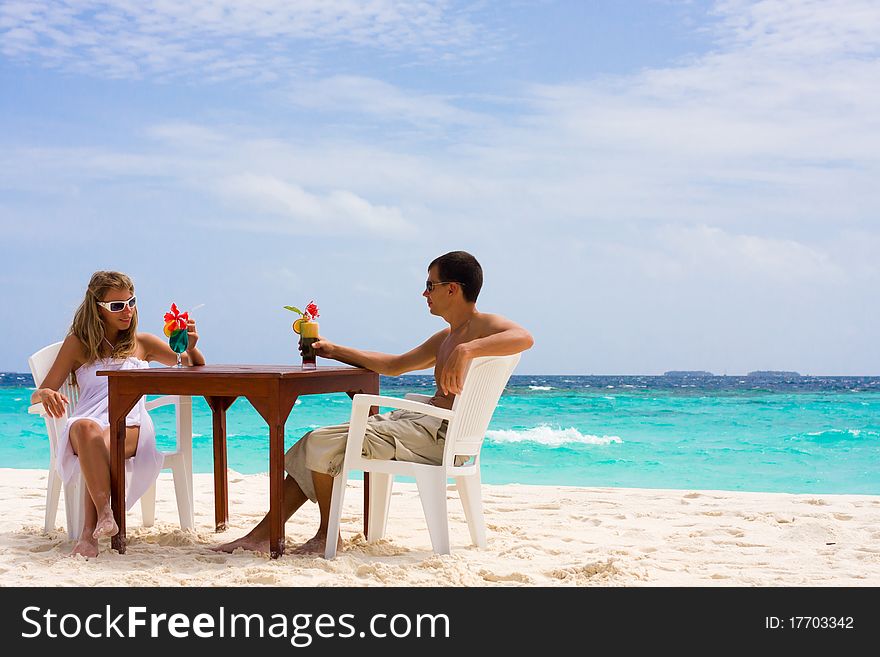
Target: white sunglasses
118,306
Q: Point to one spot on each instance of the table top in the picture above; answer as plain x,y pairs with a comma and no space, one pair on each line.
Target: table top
239,371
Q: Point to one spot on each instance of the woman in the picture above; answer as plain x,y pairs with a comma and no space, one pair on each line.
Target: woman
103,336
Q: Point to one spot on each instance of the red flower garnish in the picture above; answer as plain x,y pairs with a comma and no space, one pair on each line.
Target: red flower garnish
312,310
180,319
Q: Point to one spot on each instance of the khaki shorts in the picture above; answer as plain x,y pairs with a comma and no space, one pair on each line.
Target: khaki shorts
398,436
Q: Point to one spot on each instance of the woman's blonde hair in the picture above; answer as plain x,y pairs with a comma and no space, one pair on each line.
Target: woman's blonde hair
87,323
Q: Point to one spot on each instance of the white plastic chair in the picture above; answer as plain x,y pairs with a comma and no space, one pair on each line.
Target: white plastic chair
468,420
179,461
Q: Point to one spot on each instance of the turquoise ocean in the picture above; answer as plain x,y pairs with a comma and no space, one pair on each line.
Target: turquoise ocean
774,434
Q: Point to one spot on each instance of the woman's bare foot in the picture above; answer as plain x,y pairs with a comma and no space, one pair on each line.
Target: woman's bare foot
317,544
106,525
86,546
251,543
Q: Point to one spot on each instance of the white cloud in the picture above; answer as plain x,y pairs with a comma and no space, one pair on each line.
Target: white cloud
227,39
745,151
740,134
337,212
370,97
821,28
714,251
708,199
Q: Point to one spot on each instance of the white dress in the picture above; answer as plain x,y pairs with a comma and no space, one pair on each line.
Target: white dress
141,469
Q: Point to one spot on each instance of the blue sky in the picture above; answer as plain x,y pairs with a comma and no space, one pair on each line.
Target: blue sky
649,185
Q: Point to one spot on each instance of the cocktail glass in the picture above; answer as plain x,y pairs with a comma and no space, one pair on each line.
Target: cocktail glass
308,332
178,341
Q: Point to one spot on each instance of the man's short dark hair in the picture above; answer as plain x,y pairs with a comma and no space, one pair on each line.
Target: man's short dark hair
461,267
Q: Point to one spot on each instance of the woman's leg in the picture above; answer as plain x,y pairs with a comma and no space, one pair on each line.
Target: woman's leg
92,445
87,545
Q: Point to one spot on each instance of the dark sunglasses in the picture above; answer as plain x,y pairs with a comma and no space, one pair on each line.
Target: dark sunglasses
118,306
430,285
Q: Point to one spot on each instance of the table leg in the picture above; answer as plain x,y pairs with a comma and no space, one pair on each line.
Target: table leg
374,410
118,407
276,489
219,405
274,409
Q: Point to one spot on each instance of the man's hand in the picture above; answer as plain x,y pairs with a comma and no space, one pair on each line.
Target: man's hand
454,370
53,401
323,348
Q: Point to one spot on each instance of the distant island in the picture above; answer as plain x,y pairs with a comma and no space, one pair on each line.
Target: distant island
776,374
687,373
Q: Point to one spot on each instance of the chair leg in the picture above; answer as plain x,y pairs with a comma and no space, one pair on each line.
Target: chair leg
148,506
469,490
188,477
338,497
432,491
184,447
182,492
53,493
75,498
380,500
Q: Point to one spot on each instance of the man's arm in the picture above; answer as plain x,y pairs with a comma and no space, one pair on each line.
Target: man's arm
505,339
423,356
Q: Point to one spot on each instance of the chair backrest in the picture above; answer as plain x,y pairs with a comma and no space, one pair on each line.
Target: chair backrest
40,364
474,406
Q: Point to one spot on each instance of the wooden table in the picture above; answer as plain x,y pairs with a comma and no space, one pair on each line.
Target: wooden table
271,389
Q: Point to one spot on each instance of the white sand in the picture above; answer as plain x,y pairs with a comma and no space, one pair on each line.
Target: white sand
538,535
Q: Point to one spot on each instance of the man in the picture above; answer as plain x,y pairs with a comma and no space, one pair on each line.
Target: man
454,282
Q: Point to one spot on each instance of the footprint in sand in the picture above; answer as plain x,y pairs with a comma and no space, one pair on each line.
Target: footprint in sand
842,516
42,548
203,559
598,570
511,577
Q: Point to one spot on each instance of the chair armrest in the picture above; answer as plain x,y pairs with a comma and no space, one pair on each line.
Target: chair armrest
37,409
183,412
161,401
414,396
360,409
365,401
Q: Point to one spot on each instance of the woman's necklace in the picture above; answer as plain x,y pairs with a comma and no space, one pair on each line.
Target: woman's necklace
112,346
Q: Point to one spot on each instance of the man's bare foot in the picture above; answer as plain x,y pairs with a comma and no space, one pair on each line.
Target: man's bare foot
252,543
317,544
85,546
106,525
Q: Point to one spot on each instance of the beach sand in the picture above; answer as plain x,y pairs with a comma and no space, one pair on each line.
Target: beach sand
537,536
